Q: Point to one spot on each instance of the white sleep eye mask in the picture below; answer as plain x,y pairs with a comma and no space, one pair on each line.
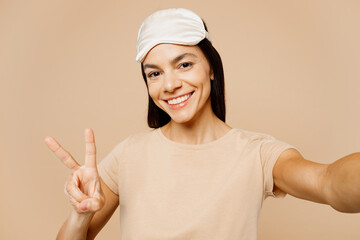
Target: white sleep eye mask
175,25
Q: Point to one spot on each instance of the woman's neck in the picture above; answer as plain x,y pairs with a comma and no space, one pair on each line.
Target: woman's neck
202,130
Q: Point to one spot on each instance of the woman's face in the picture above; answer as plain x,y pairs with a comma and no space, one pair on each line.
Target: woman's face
178,79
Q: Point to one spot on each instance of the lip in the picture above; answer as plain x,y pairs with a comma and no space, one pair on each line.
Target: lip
168,99
182,104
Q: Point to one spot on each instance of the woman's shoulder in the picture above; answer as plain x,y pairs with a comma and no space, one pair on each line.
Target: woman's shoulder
252,135
133,142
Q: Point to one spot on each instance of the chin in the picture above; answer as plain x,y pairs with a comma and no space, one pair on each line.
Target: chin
181,120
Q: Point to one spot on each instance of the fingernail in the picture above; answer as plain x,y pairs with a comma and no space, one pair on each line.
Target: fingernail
88,205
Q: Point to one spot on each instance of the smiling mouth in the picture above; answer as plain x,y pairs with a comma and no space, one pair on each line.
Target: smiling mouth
179,99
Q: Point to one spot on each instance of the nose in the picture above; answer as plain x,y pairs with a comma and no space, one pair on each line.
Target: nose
171,82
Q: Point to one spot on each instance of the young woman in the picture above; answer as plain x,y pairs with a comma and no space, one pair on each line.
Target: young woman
192,176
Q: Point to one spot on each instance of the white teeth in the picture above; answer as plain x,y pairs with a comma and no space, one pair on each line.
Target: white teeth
179,99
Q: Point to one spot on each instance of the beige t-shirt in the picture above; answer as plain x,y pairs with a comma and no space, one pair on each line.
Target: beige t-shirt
211,191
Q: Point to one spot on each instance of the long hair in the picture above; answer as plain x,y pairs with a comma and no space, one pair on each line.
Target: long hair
157,117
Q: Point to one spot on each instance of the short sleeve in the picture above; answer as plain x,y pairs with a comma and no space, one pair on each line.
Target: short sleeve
270,150
108,169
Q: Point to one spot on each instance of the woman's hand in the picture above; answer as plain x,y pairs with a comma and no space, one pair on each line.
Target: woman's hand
83,186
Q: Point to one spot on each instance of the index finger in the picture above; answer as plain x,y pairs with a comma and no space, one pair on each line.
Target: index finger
61,153
90,149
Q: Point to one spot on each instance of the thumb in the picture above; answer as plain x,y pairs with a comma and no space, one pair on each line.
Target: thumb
91,205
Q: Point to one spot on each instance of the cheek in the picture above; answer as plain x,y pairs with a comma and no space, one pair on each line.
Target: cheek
206,84
154,94
153,91
207,89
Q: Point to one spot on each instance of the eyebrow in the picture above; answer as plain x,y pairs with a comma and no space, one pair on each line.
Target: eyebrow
175,60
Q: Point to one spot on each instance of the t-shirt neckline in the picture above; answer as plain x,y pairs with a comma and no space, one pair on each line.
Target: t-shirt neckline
221,139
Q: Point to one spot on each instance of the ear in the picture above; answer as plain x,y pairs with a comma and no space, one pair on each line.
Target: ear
211,74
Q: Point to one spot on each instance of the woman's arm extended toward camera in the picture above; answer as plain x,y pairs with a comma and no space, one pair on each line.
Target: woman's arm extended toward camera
336,184
342,185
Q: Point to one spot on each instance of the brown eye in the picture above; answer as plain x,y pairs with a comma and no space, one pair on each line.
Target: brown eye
185,65
153,74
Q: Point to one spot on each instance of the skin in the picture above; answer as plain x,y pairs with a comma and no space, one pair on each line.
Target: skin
86,191
173,71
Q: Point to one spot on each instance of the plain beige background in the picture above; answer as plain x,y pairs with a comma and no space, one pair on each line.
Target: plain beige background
291,67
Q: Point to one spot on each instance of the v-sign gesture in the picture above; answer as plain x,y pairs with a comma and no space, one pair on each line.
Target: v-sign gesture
83,186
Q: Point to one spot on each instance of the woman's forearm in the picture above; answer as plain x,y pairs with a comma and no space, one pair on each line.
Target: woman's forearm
75,227
343,184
